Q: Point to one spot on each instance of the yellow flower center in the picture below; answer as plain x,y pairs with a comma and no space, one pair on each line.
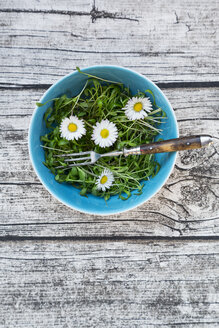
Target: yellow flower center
72,127
103,179
104,133
138,107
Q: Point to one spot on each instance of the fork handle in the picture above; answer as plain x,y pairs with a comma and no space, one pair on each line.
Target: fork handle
183,143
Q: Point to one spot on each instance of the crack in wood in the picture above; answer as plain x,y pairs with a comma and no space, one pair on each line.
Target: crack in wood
21,87
160,214
198,119
178,204
204,176
44,11
172,228
16,115
94,13
179,181
175,85
181,168
213,193
31,224
203,220
177,18
118,238
20,183
189,27
185,324
140,53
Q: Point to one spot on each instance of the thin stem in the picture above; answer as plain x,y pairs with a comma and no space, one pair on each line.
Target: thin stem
78,97
64,151
97,77
88,124
149,126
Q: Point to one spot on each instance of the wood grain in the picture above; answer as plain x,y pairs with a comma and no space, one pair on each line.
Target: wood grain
98,284
167,43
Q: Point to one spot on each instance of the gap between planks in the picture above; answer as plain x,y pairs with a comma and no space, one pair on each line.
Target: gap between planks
162,85
103,239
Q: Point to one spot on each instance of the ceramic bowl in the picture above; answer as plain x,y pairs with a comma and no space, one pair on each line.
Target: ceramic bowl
68,195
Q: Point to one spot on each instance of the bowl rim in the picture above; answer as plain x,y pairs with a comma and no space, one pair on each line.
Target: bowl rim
50,189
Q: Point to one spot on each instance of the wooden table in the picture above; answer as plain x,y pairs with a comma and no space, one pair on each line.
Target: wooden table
154,266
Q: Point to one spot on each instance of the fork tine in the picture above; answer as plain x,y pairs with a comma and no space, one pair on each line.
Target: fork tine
76,159
72,165
73,154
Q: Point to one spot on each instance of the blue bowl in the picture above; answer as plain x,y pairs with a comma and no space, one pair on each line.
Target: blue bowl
72,85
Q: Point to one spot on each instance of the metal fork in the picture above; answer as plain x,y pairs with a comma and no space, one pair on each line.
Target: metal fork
183,143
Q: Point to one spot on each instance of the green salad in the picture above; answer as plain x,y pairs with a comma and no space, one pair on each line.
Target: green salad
103,117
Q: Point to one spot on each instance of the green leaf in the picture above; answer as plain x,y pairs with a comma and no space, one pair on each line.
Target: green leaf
39,104
57,177
106,197
63,142
157,169
82,174
83,192
99,103
92,121
74,171
80,114
47,113
151,93
94,191
42,104
44,138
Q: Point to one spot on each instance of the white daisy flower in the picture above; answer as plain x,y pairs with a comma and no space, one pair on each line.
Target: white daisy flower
105,180
72,128
137,108
105,133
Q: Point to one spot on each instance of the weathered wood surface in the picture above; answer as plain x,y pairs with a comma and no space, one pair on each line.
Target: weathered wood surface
98,284
42,41
154,266
187,205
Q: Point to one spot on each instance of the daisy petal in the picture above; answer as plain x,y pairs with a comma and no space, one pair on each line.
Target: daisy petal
105,180
137,108
72,128
105,133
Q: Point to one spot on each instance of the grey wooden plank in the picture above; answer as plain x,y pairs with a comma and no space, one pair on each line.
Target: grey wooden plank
28,210
186,206
153,43
114,284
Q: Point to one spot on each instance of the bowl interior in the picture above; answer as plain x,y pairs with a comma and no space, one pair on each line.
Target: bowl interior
72,85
